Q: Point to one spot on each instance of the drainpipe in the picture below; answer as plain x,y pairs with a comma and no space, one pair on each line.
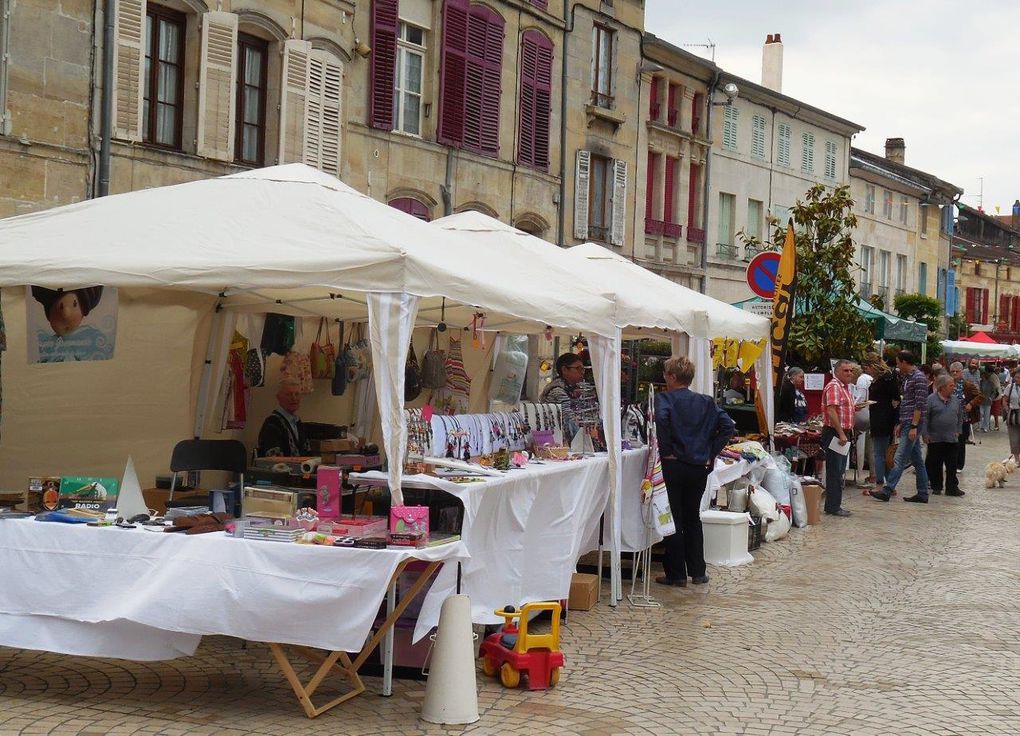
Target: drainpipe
5,25
708,180
568,22
106,113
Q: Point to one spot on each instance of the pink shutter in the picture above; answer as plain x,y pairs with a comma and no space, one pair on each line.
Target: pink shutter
526,118
385,25
412,207
667,202
454,72
540,3
653,100
650,188
484,69
535,103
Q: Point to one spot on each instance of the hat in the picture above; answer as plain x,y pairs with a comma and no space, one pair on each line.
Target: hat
88,297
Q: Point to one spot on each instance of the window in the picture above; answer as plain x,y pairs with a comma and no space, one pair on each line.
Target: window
653,176
470,77
412,207
923,215
783,157
976,310
600,198
250,118
904,208
543,4
758,136
883,269
867,269
977,268
163,99
536,100
672,108
830,160
697,105
729,136
727,203
654,107
940,286
869,198
755,208
602,66
693,199
887,204
669,195
922,278
407,83
807,154
901,273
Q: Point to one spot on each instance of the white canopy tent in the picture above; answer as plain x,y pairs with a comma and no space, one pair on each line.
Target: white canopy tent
980,349
645,303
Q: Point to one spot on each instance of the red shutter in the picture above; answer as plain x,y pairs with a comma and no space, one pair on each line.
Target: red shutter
385,25
692,196
1003,315
984,307
667,196
653,100
453,72
671,109
540,3
483,80
650,186
536,101
412,207
969,307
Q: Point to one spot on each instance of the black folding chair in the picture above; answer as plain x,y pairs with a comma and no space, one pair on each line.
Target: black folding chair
189,455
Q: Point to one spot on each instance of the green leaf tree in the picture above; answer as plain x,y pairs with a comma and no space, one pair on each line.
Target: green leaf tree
826,323
923,309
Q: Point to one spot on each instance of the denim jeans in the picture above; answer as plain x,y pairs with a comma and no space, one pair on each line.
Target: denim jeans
986,417
879,446
912,451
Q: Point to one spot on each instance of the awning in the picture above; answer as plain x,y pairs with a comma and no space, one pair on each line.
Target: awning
887,326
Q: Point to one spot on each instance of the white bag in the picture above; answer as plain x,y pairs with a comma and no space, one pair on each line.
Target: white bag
776,483
798,504
509,373
764,504
777,529
737,500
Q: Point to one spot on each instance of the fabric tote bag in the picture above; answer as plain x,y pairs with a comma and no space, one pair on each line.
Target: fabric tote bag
653,489
322,355
454,397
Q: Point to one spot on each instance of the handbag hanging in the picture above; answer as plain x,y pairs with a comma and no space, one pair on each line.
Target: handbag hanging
412,376
321,355
454,397
340,364
433,365
297,368
277,334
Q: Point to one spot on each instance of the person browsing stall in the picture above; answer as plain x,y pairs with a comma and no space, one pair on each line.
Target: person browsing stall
792,402
691,430
839,408
282,434
565,388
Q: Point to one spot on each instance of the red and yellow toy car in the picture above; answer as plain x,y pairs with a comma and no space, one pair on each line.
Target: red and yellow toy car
513,651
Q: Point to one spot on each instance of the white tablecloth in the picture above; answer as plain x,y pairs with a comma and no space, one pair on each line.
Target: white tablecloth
143,595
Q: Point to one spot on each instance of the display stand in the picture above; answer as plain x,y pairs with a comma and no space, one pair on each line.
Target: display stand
340,663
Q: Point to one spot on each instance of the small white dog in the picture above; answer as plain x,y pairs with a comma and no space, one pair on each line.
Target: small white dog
995,474
1010,464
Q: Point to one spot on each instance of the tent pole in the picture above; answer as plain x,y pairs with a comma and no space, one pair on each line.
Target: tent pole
203,386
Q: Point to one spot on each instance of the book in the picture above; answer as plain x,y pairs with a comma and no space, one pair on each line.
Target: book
439,538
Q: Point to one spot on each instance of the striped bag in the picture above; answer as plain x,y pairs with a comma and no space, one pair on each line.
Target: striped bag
454,397
653,489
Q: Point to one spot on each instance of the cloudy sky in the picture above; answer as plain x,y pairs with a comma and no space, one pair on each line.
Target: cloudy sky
933,72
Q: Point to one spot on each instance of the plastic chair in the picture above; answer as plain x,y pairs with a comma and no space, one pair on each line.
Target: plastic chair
188,455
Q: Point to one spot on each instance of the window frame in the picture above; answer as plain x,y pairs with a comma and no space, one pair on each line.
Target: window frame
600,232
161,12
600,98
869,199
807,154
730,134
904,209
758,136
784,136
830,160
405,47
247,40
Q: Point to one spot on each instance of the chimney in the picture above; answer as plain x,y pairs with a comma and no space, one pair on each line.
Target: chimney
1015,215
772,63
895,150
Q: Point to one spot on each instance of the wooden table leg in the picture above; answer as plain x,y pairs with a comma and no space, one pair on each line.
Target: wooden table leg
340,662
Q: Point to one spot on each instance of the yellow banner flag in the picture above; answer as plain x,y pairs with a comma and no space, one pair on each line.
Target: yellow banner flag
782,304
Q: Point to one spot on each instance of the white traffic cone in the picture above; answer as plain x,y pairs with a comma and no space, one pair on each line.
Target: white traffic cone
450,693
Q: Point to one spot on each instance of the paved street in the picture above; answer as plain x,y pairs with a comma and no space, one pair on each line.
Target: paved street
903,619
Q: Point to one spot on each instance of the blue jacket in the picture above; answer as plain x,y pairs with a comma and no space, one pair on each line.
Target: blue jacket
691,427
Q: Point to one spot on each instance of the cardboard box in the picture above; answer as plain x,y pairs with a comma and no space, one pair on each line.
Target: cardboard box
813,499
584,592
344,445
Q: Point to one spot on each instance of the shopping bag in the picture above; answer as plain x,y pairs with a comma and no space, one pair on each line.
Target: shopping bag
296,367
322,355
433,365
409,520
654,486
412,376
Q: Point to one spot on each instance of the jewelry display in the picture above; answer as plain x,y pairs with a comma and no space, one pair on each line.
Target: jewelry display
463,436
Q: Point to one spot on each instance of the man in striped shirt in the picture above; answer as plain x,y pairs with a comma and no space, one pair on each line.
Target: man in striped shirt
838,415
912,405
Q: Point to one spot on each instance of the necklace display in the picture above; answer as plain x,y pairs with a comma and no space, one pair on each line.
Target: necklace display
463,436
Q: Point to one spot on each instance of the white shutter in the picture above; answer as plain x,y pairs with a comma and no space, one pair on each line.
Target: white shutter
581,184
128,66
217,76
296,57
322,113
618,230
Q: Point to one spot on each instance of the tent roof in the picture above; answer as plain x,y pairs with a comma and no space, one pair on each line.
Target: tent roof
294,234
980,349
982,337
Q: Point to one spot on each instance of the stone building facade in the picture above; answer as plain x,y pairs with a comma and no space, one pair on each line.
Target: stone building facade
986,259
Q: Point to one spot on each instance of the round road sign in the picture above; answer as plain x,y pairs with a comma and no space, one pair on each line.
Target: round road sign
761,274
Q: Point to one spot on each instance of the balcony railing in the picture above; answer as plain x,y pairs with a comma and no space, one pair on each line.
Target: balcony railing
865,289
725,250
601,99
695,235
653,227
696,124
750,251
671,230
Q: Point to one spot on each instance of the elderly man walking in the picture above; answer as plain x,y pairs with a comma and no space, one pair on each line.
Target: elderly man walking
941,428
970,399
838,407
912,406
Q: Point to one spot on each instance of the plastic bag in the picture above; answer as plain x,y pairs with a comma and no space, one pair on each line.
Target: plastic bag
798,504
762,503
510,370
776,482
777,529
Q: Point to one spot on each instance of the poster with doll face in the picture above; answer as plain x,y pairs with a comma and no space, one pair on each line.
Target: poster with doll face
71,325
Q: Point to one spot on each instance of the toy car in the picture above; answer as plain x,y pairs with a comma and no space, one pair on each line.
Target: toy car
512,651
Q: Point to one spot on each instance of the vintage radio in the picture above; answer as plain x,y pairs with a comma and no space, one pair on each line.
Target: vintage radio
268,503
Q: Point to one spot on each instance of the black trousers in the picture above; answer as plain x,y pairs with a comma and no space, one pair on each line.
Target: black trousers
961,447
685,550
942,454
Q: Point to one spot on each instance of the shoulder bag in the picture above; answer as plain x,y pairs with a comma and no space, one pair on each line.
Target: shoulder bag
322,356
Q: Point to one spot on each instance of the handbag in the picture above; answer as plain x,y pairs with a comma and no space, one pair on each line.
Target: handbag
409,520
433,365
322,356
653,488
455,396
278,334
296,367
255,367
340,365
412,376
359,365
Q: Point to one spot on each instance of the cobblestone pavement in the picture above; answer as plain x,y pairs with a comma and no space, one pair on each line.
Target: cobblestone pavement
902,619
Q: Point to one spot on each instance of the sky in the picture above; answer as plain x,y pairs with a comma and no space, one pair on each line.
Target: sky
932,72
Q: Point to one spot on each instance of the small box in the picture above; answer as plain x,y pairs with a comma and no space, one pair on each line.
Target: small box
344,445
268,503
584,592
364,526
813,499
328,487
412,539
409,520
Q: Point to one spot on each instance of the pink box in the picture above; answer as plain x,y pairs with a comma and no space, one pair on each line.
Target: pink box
409,520
328,479
364,526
